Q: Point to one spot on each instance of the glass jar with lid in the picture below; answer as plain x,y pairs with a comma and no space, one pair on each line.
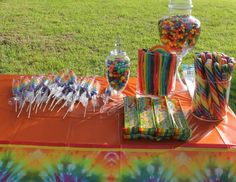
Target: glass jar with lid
117,69
179,31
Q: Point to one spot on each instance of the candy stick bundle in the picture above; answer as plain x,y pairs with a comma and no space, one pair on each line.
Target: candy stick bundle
213,75
52,90
157,119
147,124
156,71
181,128
131,121
165,127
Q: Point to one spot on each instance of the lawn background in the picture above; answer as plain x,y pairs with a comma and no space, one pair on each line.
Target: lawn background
37,36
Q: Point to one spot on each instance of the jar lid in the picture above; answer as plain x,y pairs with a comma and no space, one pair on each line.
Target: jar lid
117,50
180,4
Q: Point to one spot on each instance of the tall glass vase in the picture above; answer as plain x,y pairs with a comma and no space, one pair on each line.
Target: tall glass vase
179,32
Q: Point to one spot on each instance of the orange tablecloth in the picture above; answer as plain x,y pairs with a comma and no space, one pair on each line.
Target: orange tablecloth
100,130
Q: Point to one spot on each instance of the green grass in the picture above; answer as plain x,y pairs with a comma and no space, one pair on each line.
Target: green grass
37,36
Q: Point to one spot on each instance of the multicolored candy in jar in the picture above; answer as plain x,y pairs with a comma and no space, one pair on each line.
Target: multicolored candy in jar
179,32
117,69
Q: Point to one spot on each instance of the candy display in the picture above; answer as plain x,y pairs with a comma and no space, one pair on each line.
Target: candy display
213,75
64,89
179,32
158,119
117,69
156,71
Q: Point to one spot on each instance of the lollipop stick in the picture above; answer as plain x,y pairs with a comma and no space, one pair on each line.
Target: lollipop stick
36,110
62,106
29,110
77,105
42,100
49,97
44,106
66,113
52,103
56,103
28,107
21,109
35,104
85,110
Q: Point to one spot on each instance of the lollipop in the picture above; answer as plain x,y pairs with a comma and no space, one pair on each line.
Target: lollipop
94,93
16,92
86,94
33,85
54,88
25,95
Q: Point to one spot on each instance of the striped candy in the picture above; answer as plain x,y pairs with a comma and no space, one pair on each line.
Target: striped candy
213,74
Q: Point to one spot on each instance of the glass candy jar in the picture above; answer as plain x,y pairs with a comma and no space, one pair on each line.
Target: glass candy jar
179,31
117,69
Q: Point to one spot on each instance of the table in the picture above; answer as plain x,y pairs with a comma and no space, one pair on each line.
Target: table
48,148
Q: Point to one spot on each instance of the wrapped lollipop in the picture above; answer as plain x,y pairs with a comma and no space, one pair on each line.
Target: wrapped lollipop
42,92
83,89
68,90
87,93
16,93
26,95
32,88
94,93
56,84
62,91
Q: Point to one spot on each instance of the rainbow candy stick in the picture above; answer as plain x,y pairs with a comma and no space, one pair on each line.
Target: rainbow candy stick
213,88
145,74
155,78
160,75
202,88
171,71
139,70
220,87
